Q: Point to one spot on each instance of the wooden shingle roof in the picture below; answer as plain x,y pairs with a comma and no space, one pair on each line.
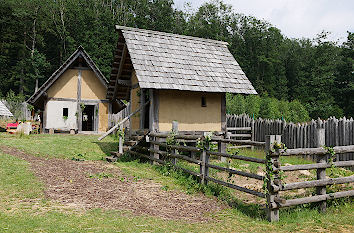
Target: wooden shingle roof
4,111
169,61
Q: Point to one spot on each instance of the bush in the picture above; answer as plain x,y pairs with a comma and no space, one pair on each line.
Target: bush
266,107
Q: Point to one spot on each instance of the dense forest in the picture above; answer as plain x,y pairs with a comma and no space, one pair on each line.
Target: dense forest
38,35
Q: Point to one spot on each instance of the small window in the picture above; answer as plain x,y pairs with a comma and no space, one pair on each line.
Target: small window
65,112
204,104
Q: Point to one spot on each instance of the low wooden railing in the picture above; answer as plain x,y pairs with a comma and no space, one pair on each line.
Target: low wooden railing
204,165
162,153
274,168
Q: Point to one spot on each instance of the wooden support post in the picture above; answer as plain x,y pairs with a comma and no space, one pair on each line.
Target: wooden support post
142,109
222,149
120,149
321,172
155,148
272,163
204,169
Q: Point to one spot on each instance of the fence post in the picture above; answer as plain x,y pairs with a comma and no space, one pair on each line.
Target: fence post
321,172
252,133
154,147
222,148
272,162
174,130
204,169
120,148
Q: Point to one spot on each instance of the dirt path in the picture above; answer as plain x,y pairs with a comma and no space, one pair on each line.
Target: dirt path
69,182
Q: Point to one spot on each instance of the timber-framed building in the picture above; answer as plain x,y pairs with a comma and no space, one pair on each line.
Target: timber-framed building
74,97
169,77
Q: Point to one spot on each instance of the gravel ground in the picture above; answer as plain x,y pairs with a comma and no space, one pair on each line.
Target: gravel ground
81,184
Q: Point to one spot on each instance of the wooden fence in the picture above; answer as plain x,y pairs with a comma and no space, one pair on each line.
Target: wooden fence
339,132
275,186
116,118
161,152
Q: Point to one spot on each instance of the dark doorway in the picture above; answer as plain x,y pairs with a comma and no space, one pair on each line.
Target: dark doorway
87,118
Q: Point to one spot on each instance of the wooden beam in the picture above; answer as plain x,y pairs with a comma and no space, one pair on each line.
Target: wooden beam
318,183
125,51
124,82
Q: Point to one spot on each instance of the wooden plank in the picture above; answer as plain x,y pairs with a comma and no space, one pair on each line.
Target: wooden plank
239,147
316,151
317,198
154,111
120,69
239,157
233,186
241,135
119,123
174,155
204,168
321,172
163,162
178,136
182,148
239,142
232,171
124,82
316,165
223,113
318,183
239,128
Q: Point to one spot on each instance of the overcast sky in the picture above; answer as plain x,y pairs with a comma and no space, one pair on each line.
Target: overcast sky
296,18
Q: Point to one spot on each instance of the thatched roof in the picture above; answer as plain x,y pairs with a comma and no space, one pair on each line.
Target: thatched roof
169,61
4,111
79,53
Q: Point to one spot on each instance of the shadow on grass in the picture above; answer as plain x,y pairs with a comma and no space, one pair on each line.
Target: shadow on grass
107,147
250,210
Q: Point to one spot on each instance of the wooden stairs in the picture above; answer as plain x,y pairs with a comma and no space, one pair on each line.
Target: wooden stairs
136,139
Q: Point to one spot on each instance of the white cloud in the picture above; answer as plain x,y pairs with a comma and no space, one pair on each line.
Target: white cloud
297,18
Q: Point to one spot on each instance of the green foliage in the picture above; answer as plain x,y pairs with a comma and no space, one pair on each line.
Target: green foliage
38,35
267,108
14,103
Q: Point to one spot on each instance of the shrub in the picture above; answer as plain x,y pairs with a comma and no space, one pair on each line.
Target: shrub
266,107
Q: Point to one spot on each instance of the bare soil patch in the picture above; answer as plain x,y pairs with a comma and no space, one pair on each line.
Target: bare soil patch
69,182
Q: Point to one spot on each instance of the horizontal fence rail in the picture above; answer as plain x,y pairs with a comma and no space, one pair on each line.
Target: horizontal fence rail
275,186
204,164
163,152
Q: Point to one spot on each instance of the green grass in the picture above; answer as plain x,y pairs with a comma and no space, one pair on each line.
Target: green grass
62,146
23,207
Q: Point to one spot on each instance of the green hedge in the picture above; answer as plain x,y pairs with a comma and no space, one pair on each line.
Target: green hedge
266,107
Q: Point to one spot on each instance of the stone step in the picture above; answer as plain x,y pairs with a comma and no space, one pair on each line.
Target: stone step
111,159
137,137
116,153
130,143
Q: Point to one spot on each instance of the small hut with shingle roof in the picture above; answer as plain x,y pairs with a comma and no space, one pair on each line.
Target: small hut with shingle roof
172,77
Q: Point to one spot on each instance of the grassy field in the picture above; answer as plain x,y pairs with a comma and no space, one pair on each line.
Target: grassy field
24,208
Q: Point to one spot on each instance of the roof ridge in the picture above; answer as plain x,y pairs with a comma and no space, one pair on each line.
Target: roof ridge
118,27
